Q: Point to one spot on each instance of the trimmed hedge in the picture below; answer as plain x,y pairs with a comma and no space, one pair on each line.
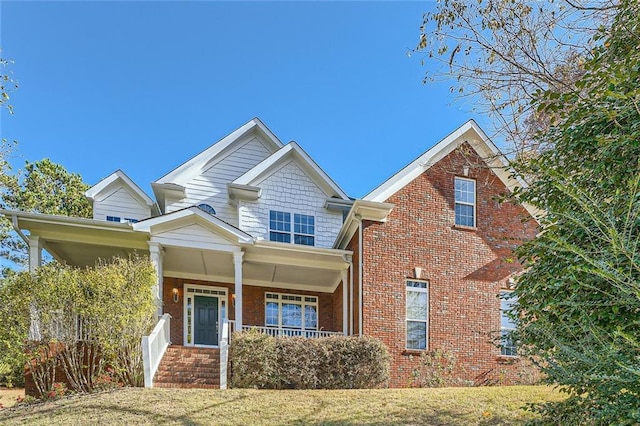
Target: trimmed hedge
339,362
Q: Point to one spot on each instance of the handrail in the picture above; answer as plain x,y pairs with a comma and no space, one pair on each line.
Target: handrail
292,332
224,353
153,348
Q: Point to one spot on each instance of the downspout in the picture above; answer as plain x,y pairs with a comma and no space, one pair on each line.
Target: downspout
14,222
360,262
351,296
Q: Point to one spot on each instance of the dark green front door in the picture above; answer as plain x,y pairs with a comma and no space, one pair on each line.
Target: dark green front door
206,321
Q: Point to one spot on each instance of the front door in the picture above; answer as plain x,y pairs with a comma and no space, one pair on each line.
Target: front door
205,331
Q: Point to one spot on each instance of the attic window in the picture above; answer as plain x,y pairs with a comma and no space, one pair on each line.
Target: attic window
207,208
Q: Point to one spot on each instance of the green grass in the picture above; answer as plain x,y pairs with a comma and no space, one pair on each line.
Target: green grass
448,406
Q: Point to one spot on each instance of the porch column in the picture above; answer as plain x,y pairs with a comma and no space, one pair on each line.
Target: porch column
155,253
35,253
345,310
35,260
237,263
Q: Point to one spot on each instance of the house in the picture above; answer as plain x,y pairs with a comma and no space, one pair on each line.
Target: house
252,233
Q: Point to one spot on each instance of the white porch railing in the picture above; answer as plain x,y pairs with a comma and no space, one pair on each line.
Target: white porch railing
154,347
291,332
224,353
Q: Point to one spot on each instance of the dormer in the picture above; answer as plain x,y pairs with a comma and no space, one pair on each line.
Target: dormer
117,198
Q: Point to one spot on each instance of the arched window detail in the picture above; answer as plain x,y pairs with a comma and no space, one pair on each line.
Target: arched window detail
207,208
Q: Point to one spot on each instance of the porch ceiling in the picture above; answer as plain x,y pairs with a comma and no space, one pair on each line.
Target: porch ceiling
310,269
82,255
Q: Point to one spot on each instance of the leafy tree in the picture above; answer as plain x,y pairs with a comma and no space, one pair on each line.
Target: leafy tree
89,320
500,52
44,187
579,299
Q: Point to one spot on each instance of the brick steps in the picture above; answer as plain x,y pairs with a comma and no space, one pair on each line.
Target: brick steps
187,367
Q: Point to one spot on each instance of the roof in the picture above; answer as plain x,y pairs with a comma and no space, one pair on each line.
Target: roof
195,213
105,184
180,174
469,132
291,151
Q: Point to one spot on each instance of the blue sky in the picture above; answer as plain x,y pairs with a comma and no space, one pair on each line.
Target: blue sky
144,86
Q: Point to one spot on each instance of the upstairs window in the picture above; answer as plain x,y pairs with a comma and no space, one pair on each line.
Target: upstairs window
507,324
303,229
417,314
302,232
113,219
207,208
280,226
465,202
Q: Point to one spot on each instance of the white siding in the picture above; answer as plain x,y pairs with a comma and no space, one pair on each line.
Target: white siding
120,203
187,235
210,187
290,189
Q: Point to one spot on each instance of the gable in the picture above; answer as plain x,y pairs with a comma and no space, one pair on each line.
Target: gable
291,153
254,128
470,135
194,235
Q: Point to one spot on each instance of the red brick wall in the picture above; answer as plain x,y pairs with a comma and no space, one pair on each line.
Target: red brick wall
466,268
253,305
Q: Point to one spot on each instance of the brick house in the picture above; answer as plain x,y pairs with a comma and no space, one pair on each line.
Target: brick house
252,233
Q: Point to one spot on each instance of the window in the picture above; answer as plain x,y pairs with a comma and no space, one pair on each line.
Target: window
465,201
417,314
207,208
507,324
130,220
113,219
303,229
280,228
291,311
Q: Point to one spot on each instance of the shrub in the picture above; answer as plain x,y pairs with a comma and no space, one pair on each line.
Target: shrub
338,362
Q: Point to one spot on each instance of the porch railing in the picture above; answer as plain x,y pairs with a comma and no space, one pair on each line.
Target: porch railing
291,332
224,353
154,347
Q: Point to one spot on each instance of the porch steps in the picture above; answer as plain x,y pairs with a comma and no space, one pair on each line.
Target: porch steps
187,367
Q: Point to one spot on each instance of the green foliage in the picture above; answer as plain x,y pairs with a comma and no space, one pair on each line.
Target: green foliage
337,362
15,295
44,187
579,299
90,322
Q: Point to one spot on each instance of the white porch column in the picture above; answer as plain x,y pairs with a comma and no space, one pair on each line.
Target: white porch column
345,310
155,253
35,253
237,262
35,260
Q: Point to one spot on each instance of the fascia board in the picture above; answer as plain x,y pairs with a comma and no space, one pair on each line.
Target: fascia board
278,159
206,156
110,182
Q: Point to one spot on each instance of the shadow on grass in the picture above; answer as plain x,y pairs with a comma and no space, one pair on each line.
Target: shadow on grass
45,411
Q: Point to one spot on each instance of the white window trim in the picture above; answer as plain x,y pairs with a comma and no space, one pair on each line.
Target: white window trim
407,319
222,302
292,221
301,302
505,328
464,203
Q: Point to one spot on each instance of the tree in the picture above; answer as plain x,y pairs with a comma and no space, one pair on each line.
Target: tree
579,297
90,321
44,187
501,52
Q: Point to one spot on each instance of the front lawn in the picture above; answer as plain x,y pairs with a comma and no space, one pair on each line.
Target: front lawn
448,406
